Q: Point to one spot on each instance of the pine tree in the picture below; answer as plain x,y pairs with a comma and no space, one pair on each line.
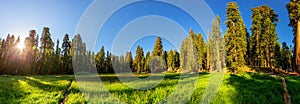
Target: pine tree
57,59
286,57
293,8
189,59
129,59
100,58
249,54
36,53
17,58
290,59
256,34
208,52
165,56
200,46
235,37
216,44
147,60
264,21
30,52
108,63
177,59
139,60
171,60
66,58
11,55
158,48
78,54
278,56
46,50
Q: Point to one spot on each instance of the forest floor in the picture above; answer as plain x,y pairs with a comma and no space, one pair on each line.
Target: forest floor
245,87
270,71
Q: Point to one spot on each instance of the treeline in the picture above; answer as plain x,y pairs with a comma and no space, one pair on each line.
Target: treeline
158,61
37,57
234,50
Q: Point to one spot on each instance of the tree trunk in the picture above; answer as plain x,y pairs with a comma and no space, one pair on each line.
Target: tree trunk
297,47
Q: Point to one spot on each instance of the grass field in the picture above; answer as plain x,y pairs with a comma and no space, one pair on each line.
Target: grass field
293,85
33,89
235,89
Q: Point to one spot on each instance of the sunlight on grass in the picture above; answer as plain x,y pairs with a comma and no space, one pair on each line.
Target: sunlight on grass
125,94
39,89
235,89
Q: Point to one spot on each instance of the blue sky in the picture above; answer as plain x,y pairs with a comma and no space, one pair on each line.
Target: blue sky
62,16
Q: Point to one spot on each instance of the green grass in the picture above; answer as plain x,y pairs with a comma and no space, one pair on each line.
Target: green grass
293,86
33,89
120,92
250,88
75,96
234,89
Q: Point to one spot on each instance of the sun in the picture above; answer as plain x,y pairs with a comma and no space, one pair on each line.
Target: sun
20,46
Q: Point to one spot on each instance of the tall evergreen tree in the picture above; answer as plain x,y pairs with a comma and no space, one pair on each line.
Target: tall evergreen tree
78,54
57,59
158,48
129,59
256,34
171,60
139,60
46,50
235,37
208,52
286,57
264,21
278,56
200,46
147,60
177,59
216,44
165,56
108,63
17,58
30,53
100,58
293,8
66,58
189,59
11,54
249,54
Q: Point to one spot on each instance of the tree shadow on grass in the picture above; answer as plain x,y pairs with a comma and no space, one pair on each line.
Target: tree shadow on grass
253,88
114,78
10,91
293,86
166,87
43,85
52,86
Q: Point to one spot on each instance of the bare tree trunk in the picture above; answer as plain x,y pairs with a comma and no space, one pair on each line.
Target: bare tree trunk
297,47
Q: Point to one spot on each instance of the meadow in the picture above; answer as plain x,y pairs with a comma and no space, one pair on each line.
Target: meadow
293,85
173,88
33,89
